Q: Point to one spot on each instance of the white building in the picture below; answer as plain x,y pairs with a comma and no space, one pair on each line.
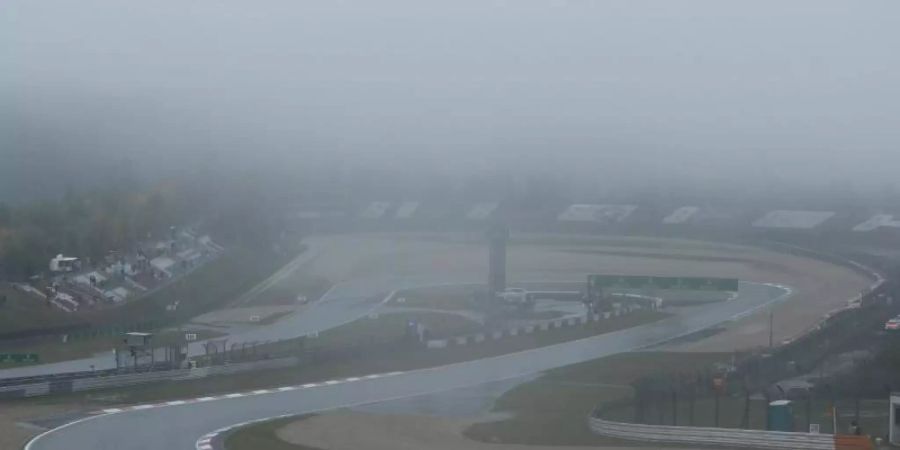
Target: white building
61,263
163,264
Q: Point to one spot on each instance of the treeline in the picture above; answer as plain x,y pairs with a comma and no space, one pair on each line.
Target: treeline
91,224
85,224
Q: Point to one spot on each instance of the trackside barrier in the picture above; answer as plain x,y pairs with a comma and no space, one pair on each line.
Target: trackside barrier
546,325
133,379
727,437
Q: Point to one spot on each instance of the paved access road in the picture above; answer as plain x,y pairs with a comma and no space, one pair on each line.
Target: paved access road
180,426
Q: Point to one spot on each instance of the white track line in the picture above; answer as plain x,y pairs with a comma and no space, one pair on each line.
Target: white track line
242,394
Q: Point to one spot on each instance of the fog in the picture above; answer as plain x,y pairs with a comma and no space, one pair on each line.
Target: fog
605,93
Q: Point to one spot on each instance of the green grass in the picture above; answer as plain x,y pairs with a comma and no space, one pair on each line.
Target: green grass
285,292
532,315
392,327
438,297
553,409
262,436
23,312
212,285
274,317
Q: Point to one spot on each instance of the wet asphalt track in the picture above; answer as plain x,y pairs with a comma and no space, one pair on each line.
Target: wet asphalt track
180,426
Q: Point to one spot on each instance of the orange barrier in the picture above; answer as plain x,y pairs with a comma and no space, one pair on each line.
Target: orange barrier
852,442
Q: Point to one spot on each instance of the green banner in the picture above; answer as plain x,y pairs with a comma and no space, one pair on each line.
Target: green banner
18,358
675,283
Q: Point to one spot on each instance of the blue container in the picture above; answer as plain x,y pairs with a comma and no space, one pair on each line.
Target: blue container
780,416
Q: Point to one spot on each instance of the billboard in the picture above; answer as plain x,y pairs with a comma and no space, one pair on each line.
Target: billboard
804,220
878,221
681,215
605,214
481,211
651,282
18,358
375,210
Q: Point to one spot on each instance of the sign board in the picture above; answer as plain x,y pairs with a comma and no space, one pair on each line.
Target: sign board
135,339
674,283
375,210
718,383
813,428
18,358
190,337
481,211
406,210
878,221
254,318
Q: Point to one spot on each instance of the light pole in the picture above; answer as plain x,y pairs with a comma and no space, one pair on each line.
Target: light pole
771,325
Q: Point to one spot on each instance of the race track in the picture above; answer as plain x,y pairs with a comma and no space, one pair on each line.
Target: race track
179,426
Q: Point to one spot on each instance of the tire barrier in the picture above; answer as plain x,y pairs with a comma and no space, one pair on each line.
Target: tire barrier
546,325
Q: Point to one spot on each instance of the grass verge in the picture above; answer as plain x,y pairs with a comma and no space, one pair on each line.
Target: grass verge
438,297
285,291
553,409
263,436
391,328
23,312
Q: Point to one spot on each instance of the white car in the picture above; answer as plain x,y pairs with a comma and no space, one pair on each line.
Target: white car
514,295
893,324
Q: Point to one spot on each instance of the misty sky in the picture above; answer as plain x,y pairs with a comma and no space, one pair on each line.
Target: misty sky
754,93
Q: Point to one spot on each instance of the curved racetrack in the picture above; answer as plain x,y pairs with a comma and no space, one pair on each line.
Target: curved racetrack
179,425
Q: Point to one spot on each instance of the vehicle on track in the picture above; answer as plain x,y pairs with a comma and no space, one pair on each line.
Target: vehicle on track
893,324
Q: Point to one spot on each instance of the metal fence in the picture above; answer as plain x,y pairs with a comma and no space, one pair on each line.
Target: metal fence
132,379
725,437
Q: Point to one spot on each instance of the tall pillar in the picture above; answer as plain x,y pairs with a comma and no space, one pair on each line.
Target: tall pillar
498,236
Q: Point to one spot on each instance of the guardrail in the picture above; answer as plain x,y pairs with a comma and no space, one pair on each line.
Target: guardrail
114,381
776,440
69,376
